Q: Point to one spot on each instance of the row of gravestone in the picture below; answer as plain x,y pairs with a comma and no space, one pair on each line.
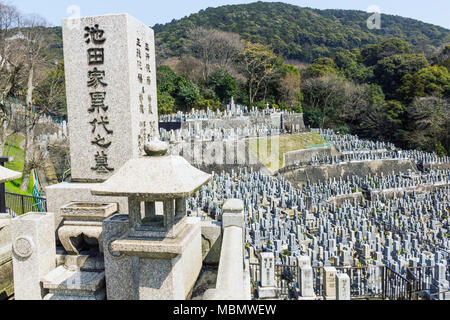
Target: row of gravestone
351,144
231,110
399,233
223,134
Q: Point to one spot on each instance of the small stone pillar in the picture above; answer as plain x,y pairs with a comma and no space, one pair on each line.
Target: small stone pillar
34,253
233,215
329,282
267,288
342,286
119,267
440,283
305,282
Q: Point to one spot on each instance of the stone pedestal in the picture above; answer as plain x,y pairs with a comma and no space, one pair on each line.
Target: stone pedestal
34,253
167,269
82,225
64,284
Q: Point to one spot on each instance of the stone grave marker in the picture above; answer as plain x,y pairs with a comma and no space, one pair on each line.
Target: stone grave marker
111,92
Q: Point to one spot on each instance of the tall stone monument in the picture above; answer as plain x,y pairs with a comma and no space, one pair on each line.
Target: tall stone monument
110,74
111,93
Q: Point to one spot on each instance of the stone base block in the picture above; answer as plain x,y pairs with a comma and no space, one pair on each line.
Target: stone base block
164,269
330,298
59,195
64,284
267,293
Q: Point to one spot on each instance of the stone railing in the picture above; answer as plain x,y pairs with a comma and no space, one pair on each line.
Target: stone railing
233,282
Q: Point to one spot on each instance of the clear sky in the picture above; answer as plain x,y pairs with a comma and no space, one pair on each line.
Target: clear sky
162,11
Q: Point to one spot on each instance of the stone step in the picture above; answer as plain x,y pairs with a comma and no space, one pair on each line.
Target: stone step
65,284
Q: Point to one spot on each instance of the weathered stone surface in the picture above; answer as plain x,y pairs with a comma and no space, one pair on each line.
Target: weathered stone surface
34,253
130,100
88,210
6,280
154,178
211,242
342,286
64,284
306,281
156,148
61,194
118,266
329,282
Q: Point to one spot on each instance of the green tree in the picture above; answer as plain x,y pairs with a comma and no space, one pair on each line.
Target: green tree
390,71
166,79
223,84
259,65
436,80
321,67
50,95
427,124
412,87
373,53
166,103
290,87
188,94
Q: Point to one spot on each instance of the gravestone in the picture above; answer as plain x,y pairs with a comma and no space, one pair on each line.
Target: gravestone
267,289
111,93
342,286
329,283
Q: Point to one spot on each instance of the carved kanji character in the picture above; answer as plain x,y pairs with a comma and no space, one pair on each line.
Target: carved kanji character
96,56
104,121
97,102
101,142
94,34
96,78
101,162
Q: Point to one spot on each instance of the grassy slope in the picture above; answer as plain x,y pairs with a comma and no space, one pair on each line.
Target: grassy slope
273,159
13,149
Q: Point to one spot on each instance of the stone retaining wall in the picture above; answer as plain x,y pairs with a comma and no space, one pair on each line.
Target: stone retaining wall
278,120
315,174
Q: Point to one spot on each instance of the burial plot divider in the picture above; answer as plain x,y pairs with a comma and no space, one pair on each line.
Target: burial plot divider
368,282
422,277
395,286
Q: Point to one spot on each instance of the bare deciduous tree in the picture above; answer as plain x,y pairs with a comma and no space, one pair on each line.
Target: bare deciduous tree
214,49
30,44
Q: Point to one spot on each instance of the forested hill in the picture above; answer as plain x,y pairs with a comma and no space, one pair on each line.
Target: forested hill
299,33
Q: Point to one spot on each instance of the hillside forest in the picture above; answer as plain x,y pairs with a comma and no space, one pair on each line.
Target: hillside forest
391,84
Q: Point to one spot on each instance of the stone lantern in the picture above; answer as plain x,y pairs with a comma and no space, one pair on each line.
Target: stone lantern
165,250
8,175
